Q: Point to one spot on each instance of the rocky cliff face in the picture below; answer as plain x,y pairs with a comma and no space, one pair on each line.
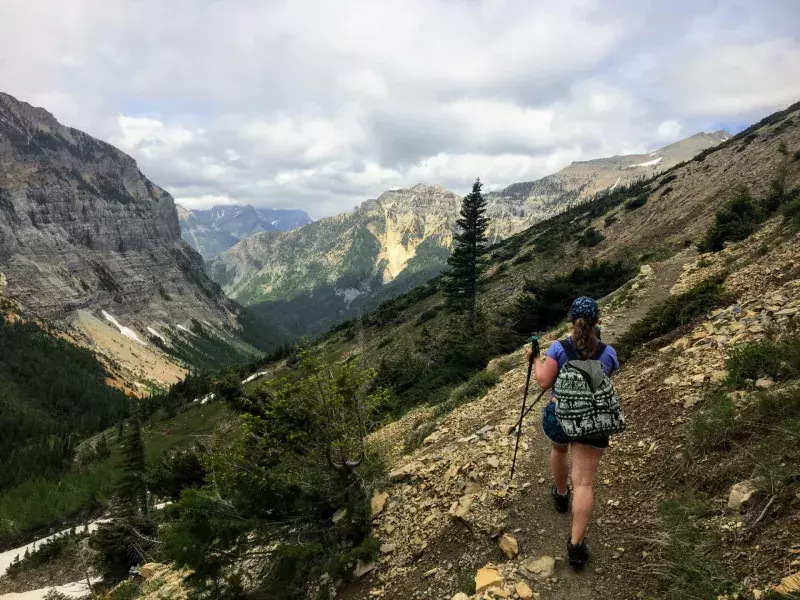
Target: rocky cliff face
83,232
213,231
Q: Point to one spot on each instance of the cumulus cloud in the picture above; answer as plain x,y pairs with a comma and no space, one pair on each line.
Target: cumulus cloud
321,105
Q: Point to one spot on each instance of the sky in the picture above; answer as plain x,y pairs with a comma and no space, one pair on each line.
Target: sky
320,104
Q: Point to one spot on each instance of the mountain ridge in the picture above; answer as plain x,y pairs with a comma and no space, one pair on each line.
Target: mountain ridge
214,230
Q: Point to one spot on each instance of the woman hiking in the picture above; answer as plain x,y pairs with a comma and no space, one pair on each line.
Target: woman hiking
582,344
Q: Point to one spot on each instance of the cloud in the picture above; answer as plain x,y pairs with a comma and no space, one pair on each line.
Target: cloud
321,105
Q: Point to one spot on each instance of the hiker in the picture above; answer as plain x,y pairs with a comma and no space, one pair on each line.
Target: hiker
582,344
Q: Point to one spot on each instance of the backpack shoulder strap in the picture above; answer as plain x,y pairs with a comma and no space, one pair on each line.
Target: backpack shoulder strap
569,349
601,347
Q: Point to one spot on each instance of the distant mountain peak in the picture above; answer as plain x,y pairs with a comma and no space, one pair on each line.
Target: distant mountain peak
213,230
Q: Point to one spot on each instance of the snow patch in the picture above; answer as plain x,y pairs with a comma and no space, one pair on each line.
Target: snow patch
126,331
76,589
182,328
7,557
254,376
649,163
653,153
153,332
616,183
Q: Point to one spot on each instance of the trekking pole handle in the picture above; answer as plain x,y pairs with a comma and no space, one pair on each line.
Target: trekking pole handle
534,347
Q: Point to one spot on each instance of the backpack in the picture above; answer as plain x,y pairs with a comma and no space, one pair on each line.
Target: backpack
587,404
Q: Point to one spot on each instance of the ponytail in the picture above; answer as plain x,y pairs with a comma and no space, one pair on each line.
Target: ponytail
584,337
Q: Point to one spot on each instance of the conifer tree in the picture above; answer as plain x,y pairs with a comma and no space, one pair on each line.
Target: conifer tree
132,491
466,262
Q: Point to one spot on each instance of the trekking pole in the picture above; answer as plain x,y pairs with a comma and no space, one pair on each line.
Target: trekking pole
534,342
514,428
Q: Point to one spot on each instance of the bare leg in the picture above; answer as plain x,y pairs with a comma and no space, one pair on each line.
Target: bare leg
560,467
584,470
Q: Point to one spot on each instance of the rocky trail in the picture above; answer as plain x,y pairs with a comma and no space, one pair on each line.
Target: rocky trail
449,517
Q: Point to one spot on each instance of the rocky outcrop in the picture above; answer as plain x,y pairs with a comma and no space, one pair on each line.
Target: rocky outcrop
83,230
213,231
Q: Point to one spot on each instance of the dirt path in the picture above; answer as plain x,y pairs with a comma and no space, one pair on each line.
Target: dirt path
429,554
665,275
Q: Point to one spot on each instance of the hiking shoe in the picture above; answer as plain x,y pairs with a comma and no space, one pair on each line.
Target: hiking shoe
561,501
578,554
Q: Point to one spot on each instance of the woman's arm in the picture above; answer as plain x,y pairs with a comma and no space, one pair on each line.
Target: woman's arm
544,372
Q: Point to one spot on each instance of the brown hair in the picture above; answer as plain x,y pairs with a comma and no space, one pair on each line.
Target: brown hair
584,337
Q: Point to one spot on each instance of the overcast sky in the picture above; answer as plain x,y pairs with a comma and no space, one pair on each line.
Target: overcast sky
321,104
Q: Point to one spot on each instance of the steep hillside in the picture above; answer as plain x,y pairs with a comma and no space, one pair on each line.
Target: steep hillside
86,238
449,518
314,278
213,231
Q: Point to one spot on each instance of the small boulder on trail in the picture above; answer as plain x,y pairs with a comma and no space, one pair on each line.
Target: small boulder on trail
461,507
487,577
541,568
378,502
523,590
741,493
509,546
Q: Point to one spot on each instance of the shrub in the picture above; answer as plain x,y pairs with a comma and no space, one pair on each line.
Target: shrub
523,258
733,222
590,238
610,220
547,303
712,427
674,312
791,211
689,568
417,435
637,202
177,470
775,359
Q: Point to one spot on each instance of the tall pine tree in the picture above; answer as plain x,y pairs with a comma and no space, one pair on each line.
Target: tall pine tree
132,489
466,262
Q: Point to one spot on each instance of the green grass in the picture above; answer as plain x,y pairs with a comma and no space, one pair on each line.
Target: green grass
39,503
775,359
476,387
184,428
689,569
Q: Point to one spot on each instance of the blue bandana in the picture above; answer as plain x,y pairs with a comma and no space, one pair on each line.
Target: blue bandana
584,307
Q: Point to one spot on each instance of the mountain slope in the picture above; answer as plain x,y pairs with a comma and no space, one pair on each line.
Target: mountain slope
213,231
523,204
313,278
85,236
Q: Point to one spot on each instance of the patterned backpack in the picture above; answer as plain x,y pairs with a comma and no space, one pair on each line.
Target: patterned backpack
587,404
